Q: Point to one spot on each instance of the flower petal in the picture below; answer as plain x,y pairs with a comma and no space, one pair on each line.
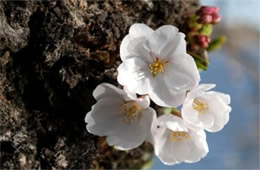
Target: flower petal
190,150
189,114
165,40
215,102
149,123
200,90
129,93
137,48
182,75
199,147
162,95
107,90
161,136
169,88
135,31
134,73
221,120
104,118
139,30
224,97
143,101
163,148
130,136
135,133
171,122
205,120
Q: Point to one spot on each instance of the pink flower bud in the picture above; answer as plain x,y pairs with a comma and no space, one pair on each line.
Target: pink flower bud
205,45
208,39
208,10
202,40
205,19
216,18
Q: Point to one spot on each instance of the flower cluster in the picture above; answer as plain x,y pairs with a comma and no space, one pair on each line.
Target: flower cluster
209,15
201,25
155,66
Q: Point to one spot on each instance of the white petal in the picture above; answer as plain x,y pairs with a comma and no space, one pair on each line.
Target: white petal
161,136
134,73
189,114
206,87
200,90
163,147
199,147
130,136
149,123
162,95
137,48
138,30
135,133
215,102
135,31
205,120
223,96
218,108
164,40
171,122
221,120
143,101
104,118
192,150
176,48
182,75
108,90
124,53
130,94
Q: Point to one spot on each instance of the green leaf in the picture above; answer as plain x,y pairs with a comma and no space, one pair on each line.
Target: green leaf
201,65
216,43
193,23
201,62
206,29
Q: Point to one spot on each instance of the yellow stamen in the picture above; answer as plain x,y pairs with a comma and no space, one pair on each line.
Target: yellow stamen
200,106
131,111
179,136
158,66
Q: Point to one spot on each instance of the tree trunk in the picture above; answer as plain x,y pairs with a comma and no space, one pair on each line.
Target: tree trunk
53,54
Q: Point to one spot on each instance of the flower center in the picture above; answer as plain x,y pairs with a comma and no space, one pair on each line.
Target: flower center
158,66
131,111
179,136
200,106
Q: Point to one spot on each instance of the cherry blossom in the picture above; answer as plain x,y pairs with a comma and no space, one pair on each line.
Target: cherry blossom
127,122
175,143
156,63
203,109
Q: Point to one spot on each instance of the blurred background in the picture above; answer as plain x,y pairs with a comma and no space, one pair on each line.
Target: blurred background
235,70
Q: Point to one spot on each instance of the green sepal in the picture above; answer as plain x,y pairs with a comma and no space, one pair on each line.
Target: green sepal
201,62
216,43
193,24
206,29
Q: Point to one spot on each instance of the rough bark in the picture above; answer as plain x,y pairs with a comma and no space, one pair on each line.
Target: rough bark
53,54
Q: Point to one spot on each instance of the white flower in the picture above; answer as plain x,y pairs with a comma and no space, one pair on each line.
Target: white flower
156,63
127,122
175,143
206,110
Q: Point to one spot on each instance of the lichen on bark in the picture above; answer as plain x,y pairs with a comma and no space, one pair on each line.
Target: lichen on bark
52,55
